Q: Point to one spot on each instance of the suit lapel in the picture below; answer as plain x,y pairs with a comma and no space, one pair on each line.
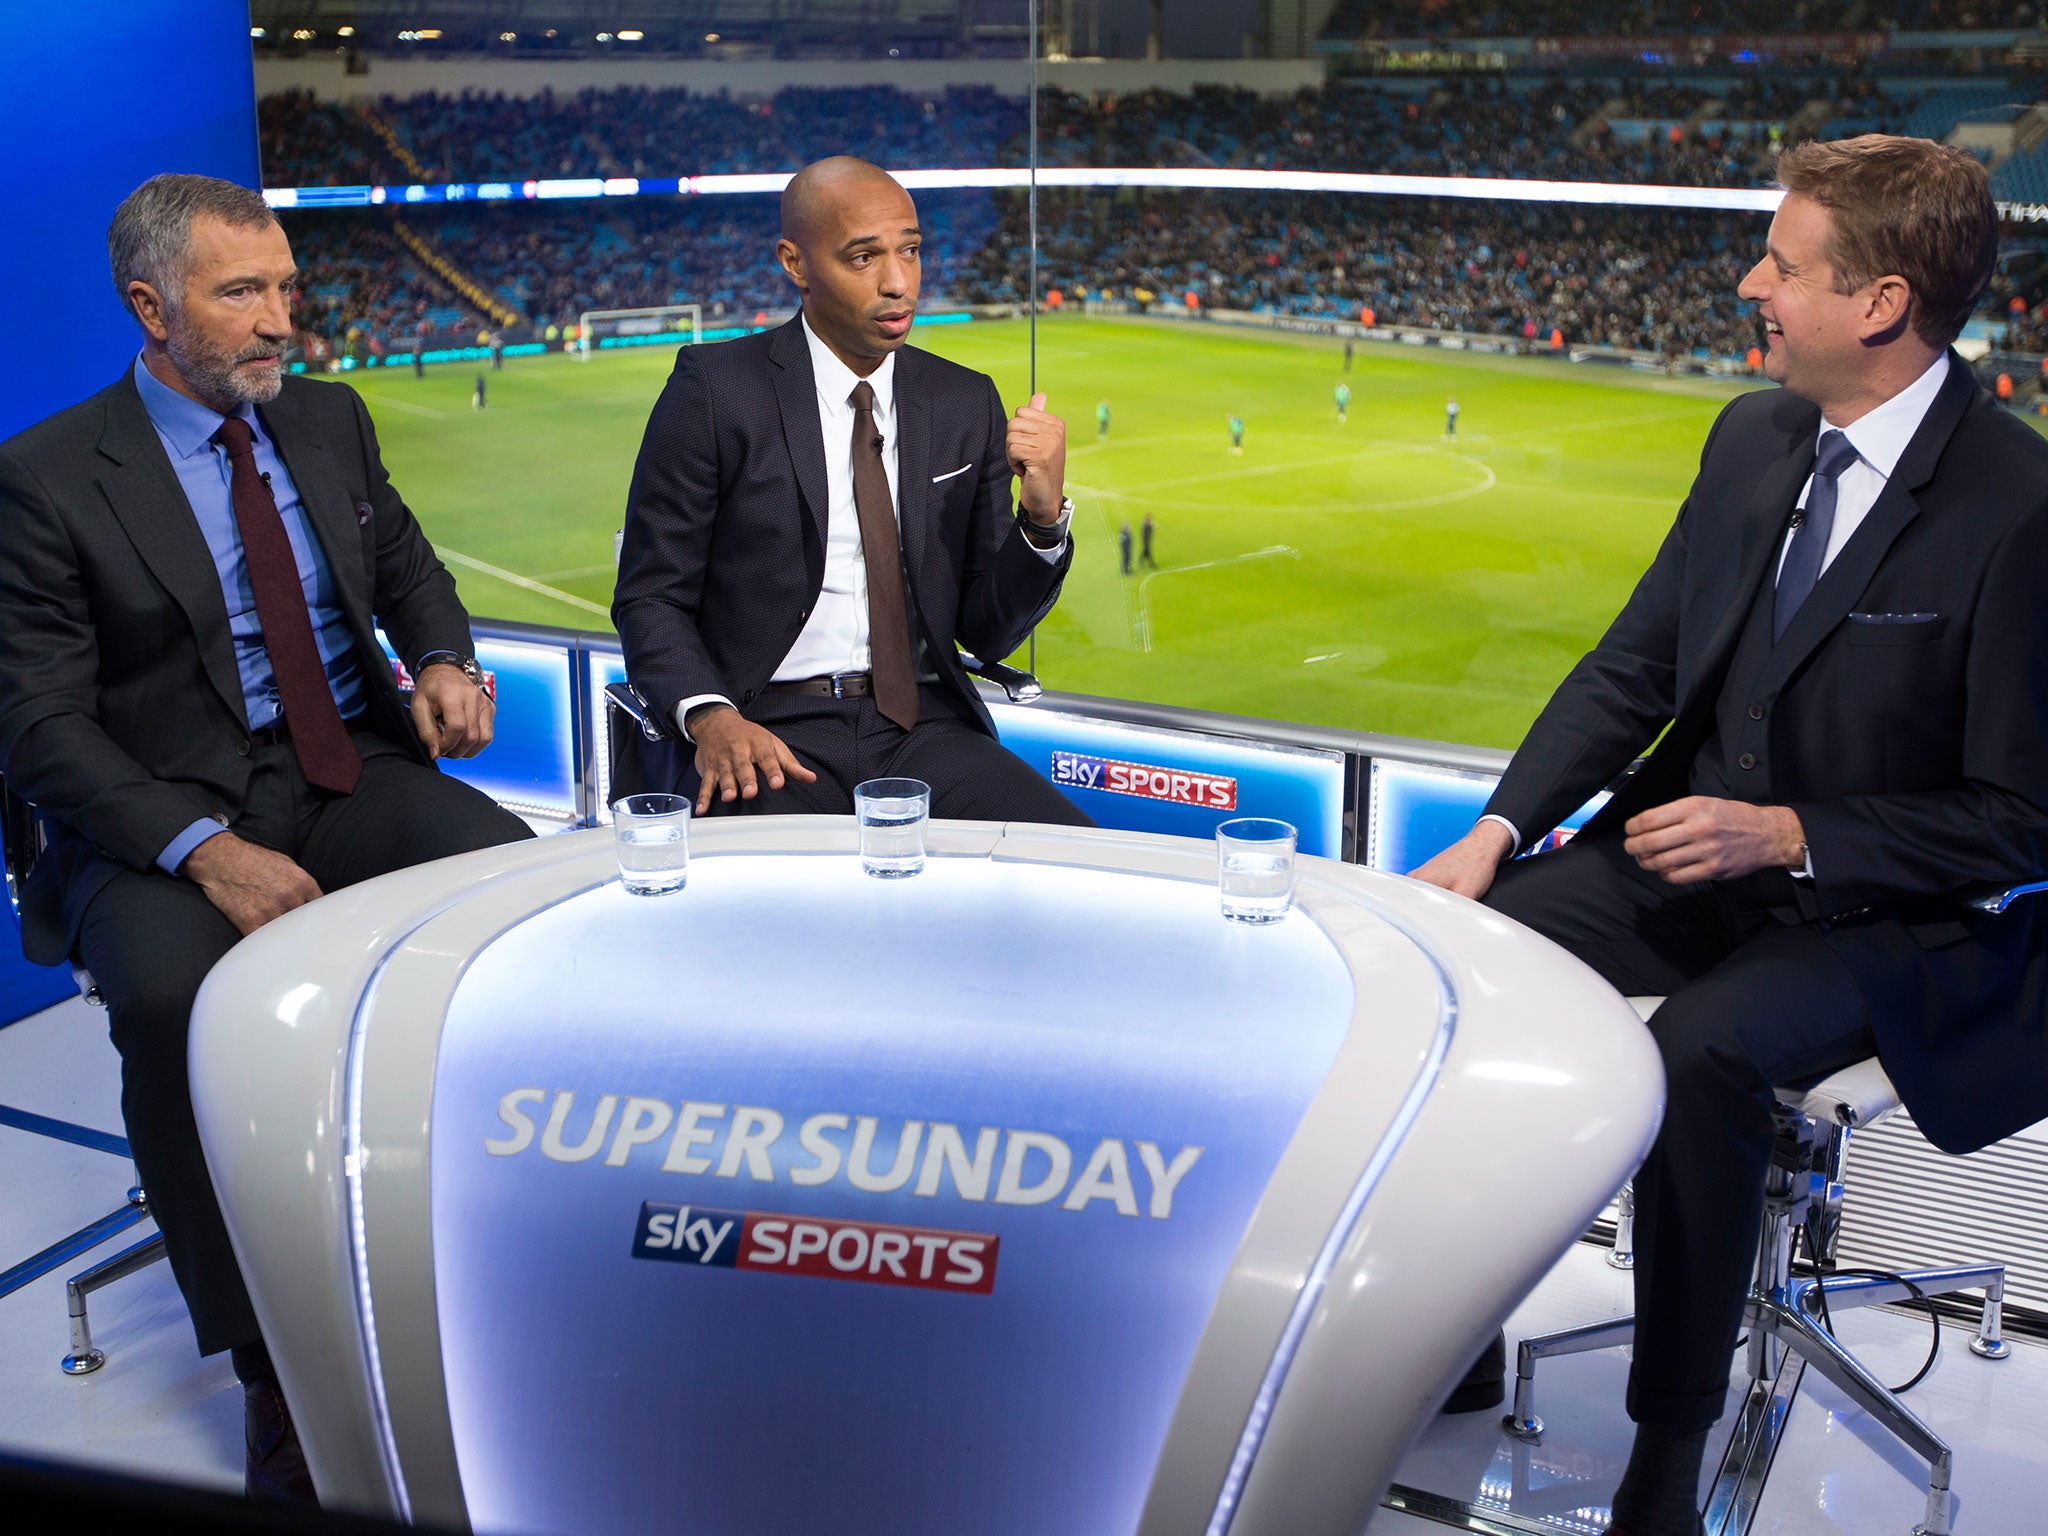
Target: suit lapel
1850,572
329,511
796,394
913,458
151,506
1763,530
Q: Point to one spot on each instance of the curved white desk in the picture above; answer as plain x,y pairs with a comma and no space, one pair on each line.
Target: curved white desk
1027,1195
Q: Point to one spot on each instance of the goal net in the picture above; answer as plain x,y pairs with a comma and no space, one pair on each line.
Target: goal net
666,325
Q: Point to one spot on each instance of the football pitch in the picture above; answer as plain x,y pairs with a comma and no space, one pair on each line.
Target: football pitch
1373,574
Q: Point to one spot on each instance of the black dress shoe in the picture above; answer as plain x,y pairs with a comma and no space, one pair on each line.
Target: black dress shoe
276,1464
1486,1383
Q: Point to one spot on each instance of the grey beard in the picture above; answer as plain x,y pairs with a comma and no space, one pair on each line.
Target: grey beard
214,380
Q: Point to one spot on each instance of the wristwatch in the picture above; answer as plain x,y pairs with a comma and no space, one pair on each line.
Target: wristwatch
468,664
1050,535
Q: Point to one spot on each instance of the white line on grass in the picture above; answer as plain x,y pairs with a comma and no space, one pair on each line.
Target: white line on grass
1144,621
527,582
1436,498
401,405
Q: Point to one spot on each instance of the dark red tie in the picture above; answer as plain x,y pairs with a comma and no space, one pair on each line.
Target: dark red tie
889,659
326,755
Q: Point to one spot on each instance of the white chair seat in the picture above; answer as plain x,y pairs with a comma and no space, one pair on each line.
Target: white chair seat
1858,1095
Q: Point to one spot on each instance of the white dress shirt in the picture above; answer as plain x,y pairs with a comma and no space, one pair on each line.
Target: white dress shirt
1879,438
835,637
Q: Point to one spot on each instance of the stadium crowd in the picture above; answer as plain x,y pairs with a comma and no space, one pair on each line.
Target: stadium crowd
628,131
1556,129
1653,18
1562,128
1660,282
1664,284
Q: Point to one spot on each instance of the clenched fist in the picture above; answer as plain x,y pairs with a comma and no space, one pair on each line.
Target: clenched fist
1037,447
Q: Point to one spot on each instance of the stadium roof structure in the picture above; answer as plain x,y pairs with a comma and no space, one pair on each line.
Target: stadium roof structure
586,28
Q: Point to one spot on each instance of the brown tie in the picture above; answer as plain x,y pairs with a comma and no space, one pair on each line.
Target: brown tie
888,621
326,755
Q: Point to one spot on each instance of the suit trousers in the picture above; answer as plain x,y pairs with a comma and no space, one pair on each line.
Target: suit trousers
847,741
1753,1001
150,938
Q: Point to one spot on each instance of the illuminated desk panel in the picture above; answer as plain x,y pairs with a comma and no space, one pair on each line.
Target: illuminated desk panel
1026,1195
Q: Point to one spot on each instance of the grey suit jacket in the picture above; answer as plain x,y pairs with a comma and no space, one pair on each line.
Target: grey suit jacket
121,711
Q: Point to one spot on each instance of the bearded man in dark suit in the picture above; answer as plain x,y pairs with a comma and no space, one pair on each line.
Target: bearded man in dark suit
1845,637
819,513
193,564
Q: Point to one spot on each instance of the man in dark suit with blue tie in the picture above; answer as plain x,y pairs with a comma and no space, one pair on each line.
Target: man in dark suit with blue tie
1843,646
819,515
193,565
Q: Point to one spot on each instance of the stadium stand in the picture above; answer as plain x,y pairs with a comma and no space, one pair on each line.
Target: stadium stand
1648,18
1600,278
1662,283
627,132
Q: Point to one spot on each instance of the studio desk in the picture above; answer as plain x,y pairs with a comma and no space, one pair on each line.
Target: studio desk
1028,1195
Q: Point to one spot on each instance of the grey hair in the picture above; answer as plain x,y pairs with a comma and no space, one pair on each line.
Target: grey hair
152,229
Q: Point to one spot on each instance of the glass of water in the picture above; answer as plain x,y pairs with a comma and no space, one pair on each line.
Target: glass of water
892,815
1255,868
652,834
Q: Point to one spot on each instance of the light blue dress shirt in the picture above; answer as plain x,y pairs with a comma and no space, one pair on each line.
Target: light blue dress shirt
186,428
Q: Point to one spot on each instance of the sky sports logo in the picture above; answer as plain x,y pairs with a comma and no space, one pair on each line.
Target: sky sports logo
1145,781
877,1253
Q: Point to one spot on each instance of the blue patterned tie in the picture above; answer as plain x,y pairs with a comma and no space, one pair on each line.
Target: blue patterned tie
1810,537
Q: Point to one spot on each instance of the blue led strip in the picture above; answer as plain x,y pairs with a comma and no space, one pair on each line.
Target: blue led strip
1318,1277
64,1130
1192,178
353,1155
57,1254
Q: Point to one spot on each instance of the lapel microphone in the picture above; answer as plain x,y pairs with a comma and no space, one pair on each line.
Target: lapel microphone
1798,517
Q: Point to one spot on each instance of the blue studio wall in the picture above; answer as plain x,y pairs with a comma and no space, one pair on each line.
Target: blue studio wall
101,95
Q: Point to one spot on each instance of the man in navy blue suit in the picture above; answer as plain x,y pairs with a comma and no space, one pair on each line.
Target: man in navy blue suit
1838,665
819,517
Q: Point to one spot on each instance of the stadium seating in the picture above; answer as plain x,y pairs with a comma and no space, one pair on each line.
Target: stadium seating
1661,282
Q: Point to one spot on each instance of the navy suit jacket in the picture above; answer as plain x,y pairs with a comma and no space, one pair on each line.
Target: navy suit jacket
724,554
1903,714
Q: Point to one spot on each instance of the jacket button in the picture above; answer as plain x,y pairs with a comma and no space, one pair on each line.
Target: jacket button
242,747
1747,760
1756,711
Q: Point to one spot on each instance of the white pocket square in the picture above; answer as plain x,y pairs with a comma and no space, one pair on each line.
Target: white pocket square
949,474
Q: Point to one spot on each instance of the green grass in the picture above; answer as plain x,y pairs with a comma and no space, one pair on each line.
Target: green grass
1369,575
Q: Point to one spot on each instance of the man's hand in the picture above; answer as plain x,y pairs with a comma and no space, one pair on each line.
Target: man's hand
250,884
452,715
1700,838
1037,446
1467,867
734,757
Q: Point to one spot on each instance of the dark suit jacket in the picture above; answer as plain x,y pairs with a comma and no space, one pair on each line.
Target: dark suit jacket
724,554
121,711
1903,714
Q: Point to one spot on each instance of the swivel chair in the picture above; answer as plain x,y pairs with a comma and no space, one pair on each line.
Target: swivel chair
1786,1314
21,844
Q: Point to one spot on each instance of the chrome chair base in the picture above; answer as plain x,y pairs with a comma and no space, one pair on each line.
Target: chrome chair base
84,1359
1786,1336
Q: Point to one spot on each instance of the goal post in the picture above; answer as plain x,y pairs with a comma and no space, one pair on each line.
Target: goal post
662,325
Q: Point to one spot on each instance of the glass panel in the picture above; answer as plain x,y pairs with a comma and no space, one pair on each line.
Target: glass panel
501,186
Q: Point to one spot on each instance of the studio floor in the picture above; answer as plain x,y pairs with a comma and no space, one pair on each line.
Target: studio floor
156,1409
